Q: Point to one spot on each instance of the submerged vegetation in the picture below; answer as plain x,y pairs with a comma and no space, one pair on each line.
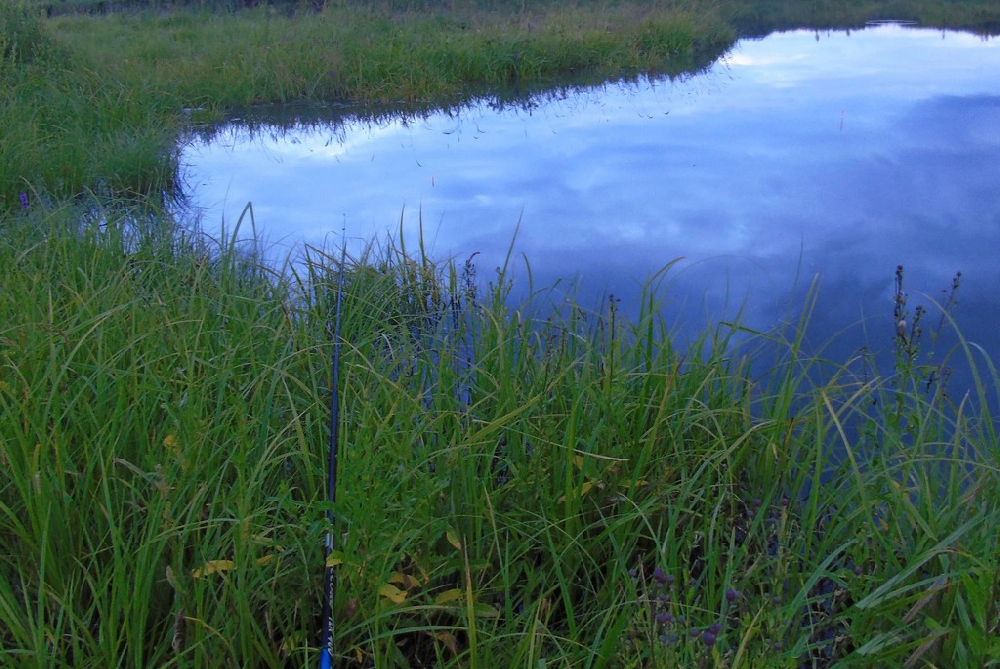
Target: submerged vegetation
575,490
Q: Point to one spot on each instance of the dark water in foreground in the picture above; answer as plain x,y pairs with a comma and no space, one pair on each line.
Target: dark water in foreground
831,157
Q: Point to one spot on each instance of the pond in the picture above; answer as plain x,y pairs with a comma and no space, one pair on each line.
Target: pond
831,156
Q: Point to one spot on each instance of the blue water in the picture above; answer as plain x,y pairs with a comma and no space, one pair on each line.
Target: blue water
799,159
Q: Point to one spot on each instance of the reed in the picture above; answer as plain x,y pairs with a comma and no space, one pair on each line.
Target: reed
574,489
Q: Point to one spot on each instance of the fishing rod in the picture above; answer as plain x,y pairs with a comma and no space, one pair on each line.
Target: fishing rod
326,651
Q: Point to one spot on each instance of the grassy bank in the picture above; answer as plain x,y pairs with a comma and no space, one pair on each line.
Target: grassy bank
96,102
760,17
574,492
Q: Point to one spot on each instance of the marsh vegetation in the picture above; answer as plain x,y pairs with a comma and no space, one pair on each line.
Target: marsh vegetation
571,489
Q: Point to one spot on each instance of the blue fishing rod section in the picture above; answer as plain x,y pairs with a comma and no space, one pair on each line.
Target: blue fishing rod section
326,650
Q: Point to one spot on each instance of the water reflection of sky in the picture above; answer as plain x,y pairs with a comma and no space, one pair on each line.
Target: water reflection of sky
838,155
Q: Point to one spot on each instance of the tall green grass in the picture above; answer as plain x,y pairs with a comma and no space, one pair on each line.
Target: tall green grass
69,128
574,491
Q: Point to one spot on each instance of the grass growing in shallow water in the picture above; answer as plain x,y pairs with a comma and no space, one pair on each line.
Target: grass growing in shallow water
512,491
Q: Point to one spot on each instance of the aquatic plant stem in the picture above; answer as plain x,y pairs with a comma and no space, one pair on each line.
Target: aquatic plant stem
326,652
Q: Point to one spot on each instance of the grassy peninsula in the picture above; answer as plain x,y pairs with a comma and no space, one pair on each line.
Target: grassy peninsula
567,491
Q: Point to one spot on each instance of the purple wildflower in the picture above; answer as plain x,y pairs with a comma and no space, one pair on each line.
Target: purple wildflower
24,200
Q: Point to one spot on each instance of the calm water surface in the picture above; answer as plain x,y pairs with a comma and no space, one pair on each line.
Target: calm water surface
801,156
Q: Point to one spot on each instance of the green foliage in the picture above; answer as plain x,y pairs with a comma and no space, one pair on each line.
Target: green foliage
71,130
760,17
515,491
573,490
21,37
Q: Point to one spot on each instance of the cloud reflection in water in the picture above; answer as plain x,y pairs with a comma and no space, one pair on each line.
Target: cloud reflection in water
791,157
